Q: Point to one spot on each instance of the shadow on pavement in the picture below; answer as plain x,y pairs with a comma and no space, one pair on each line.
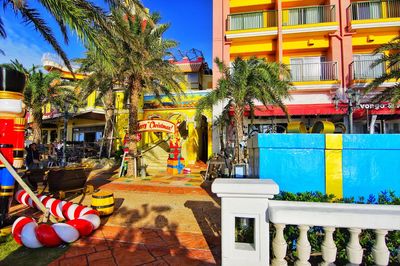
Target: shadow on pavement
208,217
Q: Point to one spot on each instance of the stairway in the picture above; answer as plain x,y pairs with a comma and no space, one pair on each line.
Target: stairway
156,159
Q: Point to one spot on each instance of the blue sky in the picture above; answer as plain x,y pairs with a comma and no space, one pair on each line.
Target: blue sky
191,26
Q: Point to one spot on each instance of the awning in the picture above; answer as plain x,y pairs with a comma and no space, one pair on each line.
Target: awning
318,109
90,115
298,109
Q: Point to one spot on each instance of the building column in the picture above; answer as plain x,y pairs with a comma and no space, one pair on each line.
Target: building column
279,41
192,144
220,47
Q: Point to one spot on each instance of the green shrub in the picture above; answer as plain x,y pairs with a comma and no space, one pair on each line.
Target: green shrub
341,235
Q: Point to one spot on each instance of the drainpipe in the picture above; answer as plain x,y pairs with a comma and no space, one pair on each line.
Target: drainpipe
344,80
280,33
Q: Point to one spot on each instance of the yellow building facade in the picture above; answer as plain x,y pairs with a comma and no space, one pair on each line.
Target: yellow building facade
328,46
87,124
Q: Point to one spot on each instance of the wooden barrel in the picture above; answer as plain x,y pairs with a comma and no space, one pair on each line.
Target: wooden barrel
103,202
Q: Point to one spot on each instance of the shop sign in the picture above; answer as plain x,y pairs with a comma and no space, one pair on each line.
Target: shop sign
156,126
378,106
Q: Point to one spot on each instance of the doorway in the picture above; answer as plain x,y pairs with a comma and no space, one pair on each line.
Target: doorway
203,139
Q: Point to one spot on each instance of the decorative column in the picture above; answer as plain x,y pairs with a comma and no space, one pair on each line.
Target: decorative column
244,221
279,45
220,47
354,250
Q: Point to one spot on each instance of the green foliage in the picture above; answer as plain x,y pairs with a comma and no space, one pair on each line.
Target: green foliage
245,82
341,235
135,63
82,17
13,254
391,60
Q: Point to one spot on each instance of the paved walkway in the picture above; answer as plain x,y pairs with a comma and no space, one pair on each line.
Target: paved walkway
170,220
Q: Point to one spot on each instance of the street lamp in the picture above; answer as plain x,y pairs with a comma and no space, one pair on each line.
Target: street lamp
353,101
67,114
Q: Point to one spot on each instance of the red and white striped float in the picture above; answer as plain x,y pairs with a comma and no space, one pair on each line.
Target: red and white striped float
81,221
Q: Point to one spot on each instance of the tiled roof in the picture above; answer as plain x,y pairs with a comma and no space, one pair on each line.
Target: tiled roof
189,67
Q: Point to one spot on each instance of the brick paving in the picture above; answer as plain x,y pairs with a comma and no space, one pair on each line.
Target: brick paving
152,225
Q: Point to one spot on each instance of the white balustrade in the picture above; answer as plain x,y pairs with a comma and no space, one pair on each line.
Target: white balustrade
328,247
251,199
354,250
380,250
303,247
279,246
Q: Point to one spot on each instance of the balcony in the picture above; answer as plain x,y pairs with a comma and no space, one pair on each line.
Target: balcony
373,14
252,24
362,70
295,18
306,72
248,4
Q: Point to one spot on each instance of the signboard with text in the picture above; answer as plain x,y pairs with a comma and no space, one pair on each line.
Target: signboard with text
156,125
378,106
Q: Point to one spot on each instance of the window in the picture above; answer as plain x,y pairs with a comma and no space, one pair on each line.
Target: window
246,21
362,66
193,80
307,68
367,10
309,15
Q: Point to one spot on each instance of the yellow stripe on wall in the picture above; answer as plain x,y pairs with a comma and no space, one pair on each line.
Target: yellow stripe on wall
333,165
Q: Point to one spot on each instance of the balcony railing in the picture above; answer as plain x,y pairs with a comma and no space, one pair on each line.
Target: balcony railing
362,69
247,211
375,9
308,15
53,60
314,71
252,20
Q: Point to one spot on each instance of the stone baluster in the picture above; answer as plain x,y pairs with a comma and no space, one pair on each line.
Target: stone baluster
354,249
303,247
380,251
328,247
279,246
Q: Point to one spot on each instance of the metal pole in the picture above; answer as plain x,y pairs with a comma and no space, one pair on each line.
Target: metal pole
64,158
351,122
350,111
19,180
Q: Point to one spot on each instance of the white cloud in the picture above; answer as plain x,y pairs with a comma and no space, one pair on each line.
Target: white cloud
19,45
27,54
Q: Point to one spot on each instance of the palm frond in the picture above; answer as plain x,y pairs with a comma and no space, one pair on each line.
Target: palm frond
392,62
2,30
31,15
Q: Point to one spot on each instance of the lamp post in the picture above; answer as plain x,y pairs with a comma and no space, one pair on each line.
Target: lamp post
352,101
67,114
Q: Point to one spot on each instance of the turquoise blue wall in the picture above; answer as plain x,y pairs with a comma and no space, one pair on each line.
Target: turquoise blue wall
371,163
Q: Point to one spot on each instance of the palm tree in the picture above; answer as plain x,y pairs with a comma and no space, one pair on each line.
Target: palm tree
78,15
221,122
137,51
42,89
102,82
242,84
391,60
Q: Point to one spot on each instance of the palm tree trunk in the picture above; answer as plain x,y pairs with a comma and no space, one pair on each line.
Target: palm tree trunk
238,116
221,137
109,104
37,127
135,86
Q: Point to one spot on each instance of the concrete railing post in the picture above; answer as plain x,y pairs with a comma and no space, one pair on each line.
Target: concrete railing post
244,219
